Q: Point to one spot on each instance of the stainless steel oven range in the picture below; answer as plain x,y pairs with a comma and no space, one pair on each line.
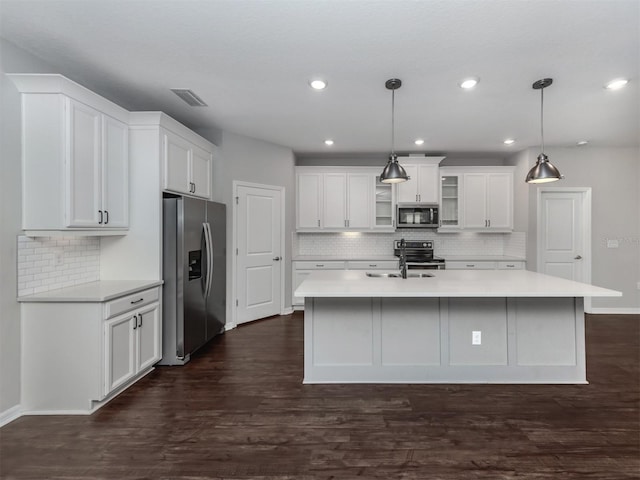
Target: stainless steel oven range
419,255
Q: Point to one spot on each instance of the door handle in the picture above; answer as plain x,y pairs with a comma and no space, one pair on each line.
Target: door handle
577,257
277,259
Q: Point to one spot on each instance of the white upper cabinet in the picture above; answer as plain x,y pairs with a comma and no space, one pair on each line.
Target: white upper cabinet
488,199
347,201
338,199
75,160
187,168
309,187
423,185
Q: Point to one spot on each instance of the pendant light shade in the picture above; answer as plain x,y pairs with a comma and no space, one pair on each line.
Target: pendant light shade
543,171
393,171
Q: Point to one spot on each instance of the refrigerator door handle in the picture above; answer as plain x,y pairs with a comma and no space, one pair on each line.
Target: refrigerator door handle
209,247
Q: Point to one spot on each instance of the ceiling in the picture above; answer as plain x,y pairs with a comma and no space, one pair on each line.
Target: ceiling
251,60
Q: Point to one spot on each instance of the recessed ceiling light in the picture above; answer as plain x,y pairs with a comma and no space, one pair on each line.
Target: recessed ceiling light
328,142
419,141
318,84
509,141
582,142
469,83
616,84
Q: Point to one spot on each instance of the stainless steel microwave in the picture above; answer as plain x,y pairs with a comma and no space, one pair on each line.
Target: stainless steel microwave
417,215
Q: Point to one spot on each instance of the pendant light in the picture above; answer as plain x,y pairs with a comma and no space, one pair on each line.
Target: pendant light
393,171
543,171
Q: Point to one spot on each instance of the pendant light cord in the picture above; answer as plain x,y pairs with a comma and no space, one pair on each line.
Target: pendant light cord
393,122
542,118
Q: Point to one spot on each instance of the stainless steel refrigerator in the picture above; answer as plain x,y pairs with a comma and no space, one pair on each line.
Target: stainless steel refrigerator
194,272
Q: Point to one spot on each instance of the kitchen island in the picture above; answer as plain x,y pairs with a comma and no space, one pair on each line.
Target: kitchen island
457,326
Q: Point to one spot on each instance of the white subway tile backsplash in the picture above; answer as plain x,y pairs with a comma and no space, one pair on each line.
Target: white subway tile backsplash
362,244
37,269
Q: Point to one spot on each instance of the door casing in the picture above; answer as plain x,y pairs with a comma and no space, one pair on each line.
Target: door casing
586,231
234,257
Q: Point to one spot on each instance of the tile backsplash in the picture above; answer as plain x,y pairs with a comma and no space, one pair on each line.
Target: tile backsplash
48,263
362,244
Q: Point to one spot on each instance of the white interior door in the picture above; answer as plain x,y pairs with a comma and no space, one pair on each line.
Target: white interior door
259,256
561,250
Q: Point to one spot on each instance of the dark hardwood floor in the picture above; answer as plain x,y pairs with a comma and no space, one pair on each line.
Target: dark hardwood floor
239,410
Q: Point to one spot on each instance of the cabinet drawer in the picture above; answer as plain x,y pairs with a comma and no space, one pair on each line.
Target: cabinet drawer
330,265
130,302
471,265
510,265
368,265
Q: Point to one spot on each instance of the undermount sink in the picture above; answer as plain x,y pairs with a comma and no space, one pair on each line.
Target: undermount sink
397,275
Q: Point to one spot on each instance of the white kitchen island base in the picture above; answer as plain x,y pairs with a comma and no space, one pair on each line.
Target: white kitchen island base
429,340
372,330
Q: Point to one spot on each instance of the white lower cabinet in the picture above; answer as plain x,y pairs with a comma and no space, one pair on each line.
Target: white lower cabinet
131,345
484,265
302,269
76,355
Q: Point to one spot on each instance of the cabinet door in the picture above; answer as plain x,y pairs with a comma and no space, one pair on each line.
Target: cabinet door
115,173
148,336
428,183
201,161
359,200
407,192
500,200
450,202
309,195
83,195
334,213
120,351
475,194
176,164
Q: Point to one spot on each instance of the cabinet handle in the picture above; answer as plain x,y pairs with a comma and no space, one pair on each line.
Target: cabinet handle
133,302
510,266
106,214
320,265
140,321
135,322
345,223
373,265
100,213
318,222
471,266
194,188
489,223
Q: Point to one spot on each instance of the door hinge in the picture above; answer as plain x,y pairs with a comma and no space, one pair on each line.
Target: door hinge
237,200
236,251
236,302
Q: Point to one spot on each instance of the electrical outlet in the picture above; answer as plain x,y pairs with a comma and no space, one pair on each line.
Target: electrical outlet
613,243
476,337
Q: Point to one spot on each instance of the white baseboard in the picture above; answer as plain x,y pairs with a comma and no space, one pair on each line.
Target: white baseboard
615,311
10,415
287,311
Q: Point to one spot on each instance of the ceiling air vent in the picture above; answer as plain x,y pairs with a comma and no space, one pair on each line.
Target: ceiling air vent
189,97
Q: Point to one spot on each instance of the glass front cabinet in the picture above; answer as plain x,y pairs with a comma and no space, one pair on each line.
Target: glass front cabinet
450,201
384,207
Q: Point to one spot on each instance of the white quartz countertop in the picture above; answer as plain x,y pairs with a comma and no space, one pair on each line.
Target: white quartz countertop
447,283
100,291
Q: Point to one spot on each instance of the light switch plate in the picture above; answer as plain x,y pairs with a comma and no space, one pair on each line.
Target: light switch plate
476,338
612,243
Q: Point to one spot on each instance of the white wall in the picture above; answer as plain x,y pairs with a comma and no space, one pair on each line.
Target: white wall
250,160
12,60
613,174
